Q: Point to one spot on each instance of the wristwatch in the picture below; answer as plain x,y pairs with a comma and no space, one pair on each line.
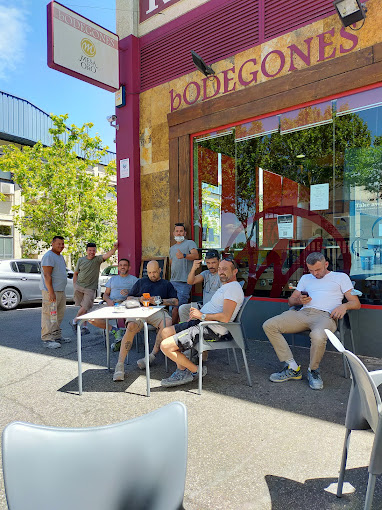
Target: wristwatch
203,317
184,255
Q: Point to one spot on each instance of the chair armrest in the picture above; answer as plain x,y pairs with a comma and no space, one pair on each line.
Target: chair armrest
204,324
376,375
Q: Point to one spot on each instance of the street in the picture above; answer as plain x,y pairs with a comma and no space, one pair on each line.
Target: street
267,447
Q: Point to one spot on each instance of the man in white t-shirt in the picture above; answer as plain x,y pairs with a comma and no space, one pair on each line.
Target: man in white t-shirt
223,307
320,293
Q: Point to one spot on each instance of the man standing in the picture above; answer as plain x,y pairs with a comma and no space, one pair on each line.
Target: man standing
209,278
154,285
117,289
85,281
320,293
182,255
52,285
223,307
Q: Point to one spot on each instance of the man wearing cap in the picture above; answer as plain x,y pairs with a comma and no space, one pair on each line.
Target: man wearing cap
209,278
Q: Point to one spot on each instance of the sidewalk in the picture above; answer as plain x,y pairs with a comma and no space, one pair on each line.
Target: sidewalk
272,446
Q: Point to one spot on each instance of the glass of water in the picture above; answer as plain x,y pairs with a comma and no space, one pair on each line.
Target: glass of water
157,300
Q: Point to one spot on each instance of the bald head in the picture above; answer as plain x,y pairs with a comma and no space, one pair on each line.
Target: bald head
153,270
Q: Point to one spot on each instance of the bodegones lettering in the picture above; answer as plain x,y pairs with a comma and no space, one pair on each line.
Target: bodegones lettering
248,72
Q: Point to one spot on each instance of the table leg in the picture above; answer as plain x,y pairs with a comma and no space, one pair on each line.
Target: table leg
146,338
79,357
107,345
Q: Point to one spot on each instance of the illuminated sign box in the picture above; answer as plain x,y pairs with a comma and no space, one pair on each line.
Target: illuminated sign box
81,48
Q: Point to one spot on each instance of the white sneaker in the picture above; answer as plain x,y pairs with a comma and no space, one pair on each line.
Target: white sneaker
142,362
50,344
119,372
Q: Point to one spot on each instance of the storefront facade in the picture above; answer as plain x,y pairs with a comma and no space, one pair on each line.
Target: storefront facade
277,155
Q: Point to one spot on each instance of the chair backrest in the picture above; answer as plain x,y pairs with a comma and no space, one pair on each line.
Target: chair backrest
240,313
138,464
364,398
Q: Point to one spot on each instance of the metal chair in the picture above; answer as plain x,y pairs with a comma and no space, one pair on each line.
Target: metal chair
364,411
238,342
110,467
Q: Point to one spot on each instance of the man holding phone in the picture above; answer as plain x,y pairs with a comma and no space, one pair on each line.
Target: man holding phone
320,293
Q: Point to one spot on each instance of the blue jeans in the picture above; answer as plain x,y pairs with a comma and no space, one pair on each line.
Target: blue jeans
183,289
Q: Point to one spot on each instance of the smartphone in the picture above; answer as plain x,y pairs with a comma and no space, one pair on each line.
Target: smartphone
304,293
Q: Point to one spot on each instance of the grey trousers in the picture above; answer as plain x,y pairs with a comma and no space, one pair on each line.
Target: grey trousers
295,321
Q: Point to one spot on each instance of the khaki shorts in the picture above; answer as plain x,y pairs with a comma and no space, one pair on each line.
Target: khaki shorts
154,320
84,297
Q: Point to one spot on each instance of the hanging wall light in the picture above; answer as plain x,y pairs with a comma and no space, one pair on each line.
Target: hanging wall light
350,11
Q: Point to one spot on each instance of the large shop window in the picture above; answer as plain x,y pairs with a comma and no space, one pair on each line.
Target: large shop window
272,190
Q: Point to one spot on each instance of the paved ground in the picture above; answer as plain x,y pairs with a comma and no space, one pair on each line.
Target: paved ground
271,446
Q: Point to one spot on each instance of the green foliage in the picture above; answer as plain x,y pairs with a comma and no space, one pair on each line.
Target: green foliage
60,193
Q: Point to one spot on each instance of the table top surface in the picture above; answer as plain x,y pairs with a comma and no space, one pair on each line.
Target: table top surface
108,312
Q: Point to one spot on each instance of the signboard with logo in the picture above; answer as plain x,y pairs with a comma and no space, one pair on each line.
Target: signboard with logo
81,48
148,8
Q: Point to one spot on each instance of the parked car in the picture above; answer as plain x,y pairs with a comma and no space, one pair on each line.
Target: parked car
105,275
20,283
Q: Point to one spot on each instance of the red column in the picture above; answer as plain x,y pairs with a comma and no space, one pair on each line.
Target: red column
128,188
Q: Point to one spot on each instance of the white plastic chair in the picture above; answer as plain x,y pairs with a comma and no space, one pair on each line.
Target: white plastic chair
100,468
364,411
238,342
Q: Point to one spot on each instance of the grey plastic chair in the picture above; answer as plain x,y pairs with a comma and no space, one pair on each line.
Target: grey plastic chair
238,342
364,411
113,467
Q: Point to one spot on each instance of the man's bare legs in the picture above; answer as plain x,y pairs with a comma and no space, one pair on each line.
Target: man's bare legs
126,343
142,362
100,323
171,350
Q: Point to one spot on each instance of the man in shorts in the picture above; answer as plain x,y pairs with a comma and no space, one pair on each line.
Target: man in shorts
154,285
85,281
117,290
223,307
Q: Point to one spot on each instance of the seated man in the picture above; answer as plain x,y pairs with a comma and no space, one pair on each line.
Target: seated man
320,293
223,307
155,286
117,289
209,278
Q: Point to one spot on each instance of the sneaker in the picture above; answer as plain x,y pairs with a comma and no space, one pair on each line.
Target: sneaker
117,334
116,346
196,376
178,378
51,344
63,340
73,326
85,331
286,374
142,362
119,372
314,378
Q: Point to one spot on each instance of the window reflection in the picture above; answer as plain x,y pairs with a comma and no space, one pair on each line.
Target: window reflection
272,190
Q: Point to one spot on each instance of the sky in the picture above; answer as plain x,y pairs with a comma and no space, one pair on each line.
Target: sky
24,71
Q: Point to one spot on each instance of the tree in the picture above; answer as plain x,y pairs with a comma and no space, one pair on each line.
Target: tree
61,194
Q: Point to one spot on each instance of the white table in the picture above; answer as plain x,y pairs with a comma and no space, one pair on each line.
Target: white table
108,313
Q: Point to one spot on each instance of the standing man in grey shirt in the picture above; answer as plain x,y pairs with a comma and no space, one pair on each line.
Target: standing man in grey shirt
85,281
182,255
52,285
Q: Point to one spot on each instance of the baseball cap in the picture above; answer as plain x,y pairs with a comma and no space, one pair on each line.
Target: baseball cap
211,254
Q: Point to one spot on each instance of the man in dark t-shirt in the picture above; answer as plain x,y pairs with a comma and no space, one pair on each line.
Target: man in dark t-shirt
156,287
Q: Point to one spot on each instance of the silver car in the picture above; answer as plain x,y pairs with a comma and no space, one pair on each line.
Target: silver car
104,277
20,283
